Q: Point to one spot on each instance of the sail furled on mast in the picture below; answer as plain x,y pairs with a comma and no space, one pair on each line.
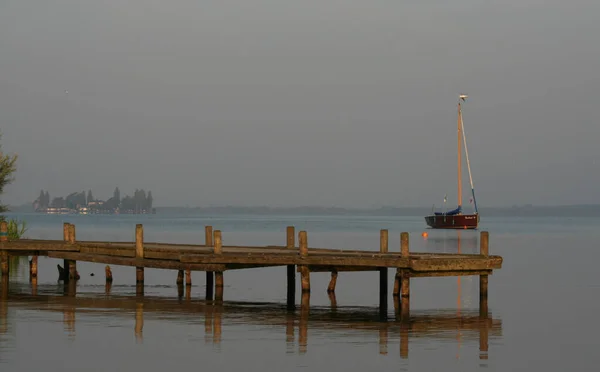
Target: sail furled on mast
464,137
450,213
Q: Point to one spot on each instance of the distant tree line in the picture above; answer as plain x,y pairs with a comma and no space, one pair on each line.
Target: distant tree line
140,202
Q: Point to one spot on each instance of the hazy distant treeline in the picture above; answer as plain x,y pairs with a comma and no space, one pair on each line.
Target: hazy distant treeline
140,201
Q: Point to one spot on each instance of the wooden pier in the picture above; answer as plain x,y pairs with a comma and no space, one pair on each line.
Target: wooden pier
215,258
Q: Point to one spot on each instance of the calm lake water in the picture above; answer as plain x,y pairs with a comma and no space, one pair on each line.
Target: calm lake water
543,303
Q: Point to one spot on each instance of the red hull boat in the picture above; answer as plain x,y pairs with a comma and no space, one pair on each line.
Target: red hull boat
459,221
455,219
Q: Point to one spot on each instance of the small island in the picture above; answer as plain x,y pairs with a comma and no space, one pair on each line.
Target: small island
79,203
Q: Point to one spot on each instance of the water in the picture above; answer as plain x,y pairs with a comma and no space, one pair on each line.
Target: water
542,304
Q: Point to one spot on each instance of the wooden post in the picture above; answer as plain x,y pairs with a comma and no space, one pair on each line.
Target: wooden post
304,271
208,241
383,274
139,253
188,278
179,277
218,274
4,267
73,274
332,282
188,292
483,279
218,248
291,269
404,278
66,231
484,243
3,231
108,274
403,253
33,268
332,301
66,238
404,249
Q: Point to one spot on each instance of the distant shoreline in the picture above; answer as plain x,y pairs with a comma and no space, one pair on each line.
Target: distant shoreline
592,210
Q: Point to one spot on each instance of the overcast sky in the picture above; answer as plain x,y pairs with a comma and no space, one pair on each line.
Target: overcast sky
328,102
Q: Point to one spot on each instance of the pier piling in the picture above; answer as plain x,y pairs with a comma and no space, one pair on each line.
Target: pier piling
208,241
4,267
332,282
304,270
72,269
383,274
218,250
188,278
404,277
108,274
66,237
139,253
291,269
484,250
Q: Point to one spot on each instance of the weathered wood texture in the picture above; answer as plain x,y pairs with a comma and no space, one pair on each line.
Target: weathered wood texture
291,273
219,258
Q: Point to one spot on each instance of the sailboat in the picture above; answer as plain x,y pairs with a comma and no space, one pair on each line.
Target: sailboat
455,219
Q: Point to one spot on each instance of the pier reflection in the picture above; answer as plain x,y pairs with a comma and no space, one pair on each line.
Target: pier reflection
466,326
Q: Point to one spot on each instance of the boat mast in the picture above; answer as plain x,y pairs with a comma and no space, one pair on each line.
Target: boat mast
468,163
459,156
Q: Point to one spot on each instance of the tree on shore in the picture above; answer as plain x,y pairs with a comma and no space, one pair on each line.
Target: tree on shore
7,168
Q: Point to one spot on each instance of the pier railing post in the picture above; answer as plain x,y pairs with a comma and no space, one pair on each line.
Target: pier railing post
383,274
139,253
404,278
72,272
332,282
291,269
208,241
403,253
218,249
484,250
66,238
304,271
4,267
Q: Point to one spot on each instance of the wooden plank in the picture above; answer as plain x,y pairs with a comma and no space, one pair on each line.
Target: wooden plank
427,274
39,246
281,259
322,269
456,264
145,262
118,252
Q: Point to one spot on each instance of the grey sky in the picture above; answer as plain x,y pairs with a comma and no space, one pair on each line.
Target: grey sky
338,102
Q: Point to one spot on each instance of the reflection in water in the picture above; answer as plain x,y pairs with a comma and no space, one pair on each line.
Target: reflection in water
4,305
69,319
466,327
139,321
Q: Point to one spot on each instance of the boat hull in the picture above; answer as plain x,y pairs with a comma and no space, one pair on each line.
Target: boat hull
459,221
